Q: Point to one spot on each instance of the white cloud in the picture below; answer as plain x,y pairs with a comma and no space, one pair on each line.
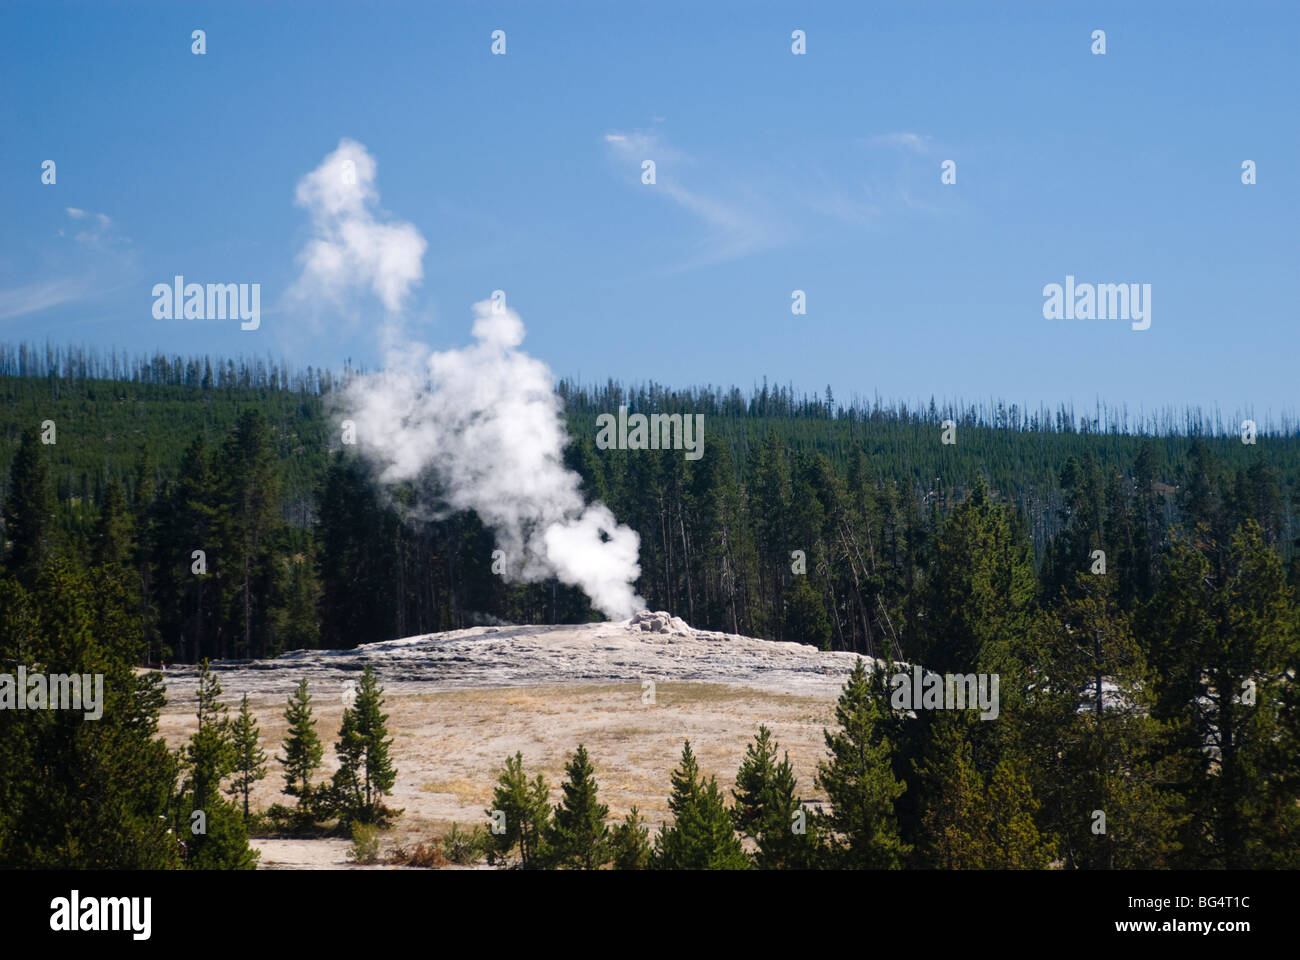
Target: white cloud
352,248
733,229
36,297
916,142
98,234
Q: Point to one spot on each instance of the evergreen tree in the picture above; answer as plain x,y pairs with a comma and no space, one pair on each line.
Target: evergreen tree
79,793
630,843
377,771
1225,646
701,836
249,517
250,759
210,755
971,823
1014,841
302,746
952,801
217,836
114,534
28,511
526,808
346,796
1095,746
862,828
768,810
356,557
805,615
223,842
980,598
578,836
190,521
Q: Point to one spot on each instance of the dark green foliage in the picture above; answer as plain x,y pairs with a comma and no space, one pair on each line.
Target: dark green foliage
1225,650
805,615
302,746
250,759
28,510
224,843
304,550
217,838
768,810
912,548
862,828
80,793
578,837
526,808
630,843
970,823
701,836
210,754
366,773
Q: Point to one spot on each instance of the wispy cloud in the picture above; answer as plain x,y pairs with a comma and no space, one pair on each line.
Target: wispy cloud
732,227
852,202
98,261
902,140
97,230
35,297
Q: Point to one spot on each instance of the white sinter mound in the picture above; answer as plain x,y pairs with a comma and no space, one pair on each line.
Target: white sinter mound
648,646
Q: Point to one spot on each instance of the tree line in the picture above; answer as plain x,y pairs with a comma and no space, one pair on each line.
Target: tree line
242,535
1128,786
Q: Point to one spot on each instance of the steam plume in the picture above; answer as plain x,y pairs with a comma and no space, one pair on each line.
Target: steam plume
485,419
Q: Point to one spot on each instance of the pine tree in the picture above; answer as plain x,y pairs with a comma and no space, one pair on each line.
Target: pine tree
302,746
346,796
80,794
701,836
249,517
376,771
630,843
1014,842
216,836
1225,647
1091,741
526,808
768,810
28,511
805,615
356,558
250,760
862,827
210,755
189,520
952,800
114,534
980,596
578,836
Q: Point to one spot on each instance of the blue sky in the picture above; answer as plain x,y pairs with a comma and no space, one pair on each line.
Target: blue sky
775,172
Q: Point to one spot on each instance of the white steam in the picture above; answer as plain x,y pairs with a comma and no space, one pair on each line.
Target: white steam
487,422
350,247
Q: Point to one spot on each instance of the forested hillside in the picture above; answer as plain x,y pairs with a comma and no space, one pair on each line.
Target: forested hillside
192,509
156,458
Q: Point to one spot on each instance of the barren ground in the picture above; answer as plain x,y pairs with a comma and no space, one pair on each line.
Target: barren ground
459,703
